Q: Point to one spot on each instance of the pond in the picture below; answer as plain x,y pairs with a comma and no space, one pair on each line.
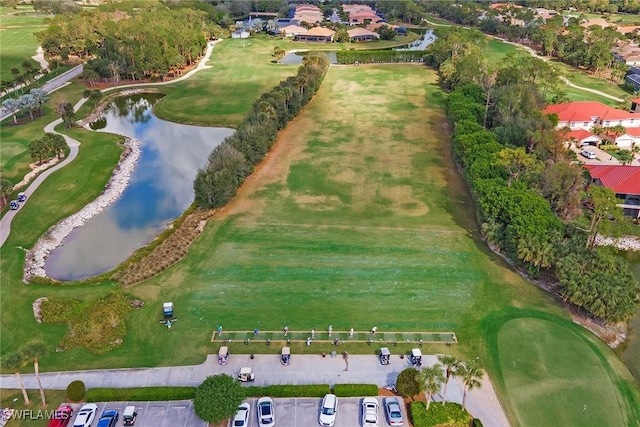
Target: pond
160,189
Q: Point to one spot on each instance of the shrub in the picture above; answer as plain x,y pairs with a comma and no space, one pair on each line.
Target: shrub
407,383
289,390
355,390
76,391
476,423
450,415
217,398
140,393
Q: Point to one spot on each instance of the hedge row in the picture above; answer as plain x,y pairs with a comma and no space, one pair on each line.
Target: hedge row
355,390
289,390
232,161
140,394
379,56
450,414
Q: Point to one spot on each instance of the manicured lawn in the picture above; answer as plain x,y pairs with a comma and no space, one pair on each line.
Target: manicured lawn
241,71
497,50
554,374
54,399
18,42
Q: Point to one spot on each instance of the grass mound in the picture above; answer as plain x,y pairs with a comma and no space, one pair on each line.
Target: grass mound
97,325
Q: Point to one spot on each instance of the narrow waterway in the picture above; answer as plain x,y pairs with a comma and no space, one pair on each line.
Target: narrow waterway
160,189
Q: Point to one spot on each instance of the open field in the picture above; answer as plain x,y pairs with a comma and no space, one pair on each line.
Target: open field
18,42
209,98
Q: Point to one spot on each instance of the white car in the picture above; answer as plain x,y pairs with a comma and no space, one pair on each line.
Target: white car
266,412
369,412
328,410
85,415
242,416
588,154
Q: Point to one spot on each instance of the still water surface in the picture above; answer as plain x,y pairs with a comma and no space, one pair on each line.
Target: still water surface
160,189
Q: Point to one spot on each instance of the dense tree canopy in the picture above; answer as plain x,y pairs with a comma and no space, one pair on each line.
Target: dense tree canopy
217,398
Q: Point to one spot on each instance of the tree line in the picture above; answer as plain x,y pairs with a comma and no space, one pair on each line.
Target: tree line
378,56
148,42
528,189
234,159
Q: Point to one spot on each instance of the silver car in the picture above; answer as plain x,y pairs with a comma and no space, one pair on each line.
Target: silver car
85,415
266,412
393,411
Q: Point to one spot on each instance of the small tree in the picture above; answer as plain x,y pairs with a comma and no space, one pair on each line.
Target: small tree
471,376
6,188
76,391
34,350
217,398
407,383
450,364
13,362
430,379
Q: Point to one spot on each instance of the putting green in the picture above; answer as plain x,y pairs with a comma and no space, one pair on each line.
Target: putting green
553,377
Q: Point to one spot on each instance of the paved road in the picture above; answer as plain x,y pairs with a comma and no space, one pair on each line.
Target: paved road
304,369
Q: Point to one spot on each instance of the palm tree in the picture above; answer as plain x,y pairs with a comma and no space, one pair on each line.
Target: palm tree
34,350
6,188
13,362
450,364
471,376
430,378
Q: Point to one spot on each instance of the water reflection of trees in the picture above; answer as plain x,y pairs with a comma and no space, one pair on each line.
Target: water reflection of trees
100,123
136,108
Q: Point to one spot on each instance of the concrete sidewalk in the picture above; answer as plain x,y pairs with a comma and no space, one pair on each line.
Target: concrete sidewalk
304,369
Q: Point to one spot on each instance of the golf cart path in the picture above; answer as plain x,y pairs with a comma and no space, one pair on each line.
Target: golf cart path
304,369
532,52
5,222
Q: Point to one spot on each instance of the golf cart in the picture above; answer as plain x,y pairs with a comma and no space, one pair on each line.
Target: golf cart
167,309
385,356
245,375
129,416
14,205
416,357
285,357
223,355
22,197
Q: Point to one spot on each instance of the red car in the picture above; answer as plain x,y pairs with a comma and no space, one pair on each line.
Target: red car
61,416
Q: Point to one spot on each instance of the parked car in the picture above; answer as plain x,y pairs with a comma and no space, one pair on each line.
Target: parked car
392,411
242,416
266,412
588,154
109,418
328,410
129,415
85,415
369,412
61,416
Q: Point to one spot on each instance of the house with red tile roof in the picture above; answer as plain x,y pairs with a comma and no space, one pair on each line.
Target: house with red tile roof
583,137
587,114
623,180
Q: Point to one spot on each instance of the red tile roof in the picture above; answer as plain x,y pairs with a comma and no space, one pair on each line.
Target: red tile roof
580,134
633,132
587,111
320,31
621,179
636,100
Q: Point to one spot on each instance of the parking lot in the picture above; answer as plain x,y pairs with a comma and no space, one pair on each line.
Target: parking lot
303,412
177,413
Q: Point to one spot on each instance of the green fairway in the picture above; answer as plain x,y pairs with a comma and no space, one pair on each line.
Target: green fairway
18,42
553,377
